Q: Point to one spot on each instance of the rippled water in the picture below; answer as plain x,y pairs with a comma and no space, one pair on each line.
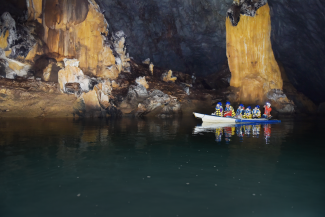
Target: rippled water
132,167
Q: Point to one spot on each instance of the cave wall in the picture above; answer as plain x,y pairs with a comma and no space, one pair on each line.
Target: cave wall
182,35
189,35
298,40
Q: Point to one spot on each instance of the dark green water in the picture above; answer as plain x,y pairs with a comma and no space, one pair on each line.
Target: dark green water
161,168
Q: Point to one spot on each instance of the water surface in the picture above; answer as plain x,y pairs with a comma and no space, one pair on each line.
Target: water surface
135,167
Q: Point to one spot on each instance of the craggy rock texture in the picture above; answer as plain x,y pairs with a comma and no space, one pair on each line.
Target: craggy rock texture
77,29
186,35
254,70
182,35
65,29
245,8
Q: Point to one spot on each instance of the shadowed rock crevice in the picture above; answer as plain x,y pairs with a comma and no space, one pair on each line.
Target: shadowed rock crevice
245,8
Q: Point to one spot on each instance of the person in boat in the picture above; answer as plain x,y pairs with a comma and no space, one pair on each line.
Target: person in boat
229,110
248,113
267,110
257,112
219,110
240,111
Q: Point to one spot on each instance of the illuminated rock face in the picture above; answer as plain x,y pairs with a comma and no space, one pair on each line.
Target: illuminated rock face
66,29
254,70
77,29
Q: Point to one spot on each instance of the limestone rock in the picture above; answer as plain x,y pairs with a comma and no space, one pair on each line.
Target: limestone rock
18,40
168,76
78,29
244,8
142,81
122,60
115,85
34,8
253,67
103,90
159,102
72,74
151,68
91,101
280,101
46,68
146,61
137,93
73,88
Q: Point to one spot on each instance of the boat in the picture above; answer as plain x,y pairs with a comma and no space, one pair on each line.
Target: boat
216,119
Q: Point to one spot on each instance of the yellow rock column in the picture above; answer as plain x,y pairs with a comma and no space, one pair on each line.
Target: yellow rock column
254,70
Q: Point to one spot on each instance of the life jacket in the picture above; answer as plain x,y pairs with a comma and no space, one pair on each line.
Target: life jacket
248,114
238,112
256,113
267,110
230,109
219,111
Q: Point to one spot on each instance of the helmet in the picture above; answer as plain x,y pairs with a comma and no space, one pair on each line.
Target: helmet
227,103
219,103
258,106
268,104
241,105
248,107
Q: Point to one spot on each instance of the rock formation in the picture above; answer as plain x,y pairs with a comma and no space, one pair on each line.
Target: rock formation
168,76
254,70
66,29
151,68
73,74
142,81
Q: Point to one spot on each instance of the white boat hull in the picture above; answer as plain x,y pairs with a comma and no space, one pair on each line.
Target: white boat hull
214,119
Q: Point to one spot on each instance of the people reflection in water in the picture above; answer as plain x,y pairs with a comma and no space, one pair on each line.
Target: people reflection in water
256,131
240,132
248,129
218,134
267,133
229,132
245,130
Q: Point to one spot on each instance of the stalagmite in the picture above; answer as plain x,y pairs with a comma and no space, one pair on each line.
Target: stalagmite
151,68
168,76
254,70
142,81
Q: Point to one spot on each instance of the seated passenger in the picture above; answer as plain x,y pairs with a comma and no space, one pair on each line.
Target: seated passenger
257,112
240,111
219,110
248,113
229,110
267,110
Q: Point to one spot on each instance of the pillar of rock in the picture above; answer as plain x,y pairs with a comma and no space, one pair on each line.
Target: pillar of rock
254,70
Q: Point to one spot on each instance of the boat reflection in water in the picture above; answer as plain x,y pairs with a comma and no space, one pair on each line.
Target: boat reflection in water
227,131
